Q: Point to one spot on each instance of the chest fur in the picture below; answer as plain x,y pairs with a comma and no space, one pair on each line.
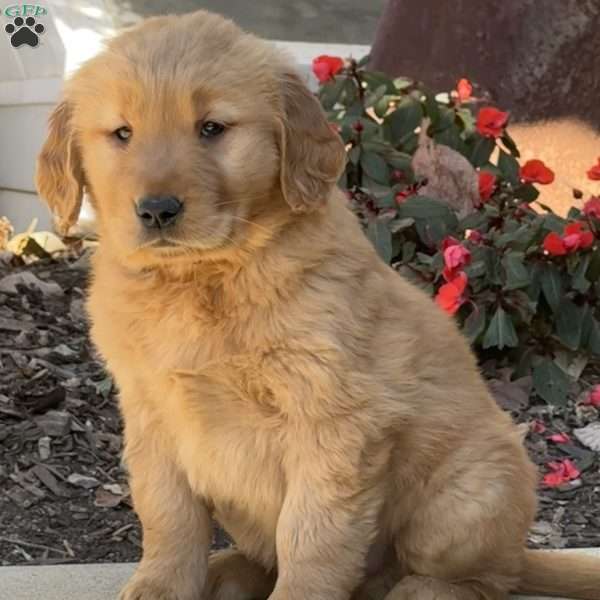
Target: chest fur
200,372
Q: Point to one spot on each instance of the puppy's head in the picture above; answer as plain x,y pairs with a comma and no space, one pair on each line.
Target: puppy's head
188,135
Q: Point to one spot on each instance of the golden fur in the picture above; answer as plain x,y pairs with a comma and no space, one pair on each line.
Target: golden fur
273,372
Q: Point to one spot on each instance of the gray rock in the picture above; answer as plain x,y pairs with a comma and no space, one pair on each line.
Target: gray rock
55,423
83,481
44,445
8,284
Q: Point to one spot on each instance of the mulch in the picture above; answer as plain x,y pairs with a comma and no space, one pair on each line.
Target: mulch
63,490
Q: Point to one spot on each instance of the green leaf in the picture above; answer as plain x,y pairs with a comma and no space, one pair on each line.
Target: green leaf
349,95
404,120
593,344
399,160
372,98
475,323
579,281
423,207
509,166
467,119
432,108
571,363
510,145
387,200
382,106
433,219
591,334
402,83
482,150
551,382
554,223
593,272
408,251
432,232
493,265
475,220
398,225
363,61
552,285
374,79
517,275
381,237
500,332
354,155
476,269
527,192
450,136
330,92
535,288
547,208
375,167
569,323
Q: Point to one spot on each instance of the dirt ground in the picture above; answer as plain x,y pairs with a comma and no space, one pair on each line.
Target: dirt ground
63,491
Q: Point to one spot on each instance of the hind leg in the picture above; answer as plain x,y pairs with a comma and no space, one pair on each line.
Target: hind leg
466,538
427,588
233,576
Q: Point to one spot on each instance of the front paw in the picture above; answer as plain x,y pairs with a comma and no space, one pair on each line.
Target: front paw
142,587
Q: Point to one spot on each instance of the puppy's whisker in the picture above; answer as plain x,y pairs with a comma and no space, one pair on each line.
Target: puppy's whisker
265,229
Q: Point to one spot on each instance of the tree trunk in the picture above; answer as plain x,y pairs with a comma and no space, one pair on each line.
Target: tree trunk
540,59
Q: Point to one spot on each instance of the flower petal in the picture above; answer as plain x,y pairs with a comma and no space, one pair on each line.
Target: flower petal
535,171
554,245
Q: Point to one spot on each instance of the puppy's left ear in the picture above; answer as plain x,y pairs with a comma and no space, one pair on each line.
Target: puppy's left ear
59,174
312,154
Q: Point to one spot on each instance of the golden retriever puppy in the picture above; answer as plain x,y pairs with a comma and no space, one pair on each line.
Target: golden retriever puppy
273,372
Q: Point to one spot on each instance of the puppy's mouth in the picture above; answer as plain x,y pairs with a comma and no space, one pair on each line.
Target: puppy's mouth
166,245
160,242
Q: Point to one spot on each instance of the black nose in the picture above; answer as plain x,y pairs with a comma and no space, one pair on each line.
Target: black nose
158,211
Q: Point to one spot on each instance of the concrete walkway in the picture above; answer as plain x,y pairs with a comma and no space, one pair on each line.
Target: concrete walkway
74,582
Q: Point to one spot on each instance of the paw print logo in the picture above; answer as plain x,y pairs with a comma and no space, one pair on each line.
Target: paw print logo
24,32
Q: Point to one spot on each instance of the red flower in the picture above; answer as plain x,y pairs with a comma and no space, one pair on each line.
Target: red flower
554,245
449,241
491,122
487,185
560,438
594,172
450,296
456,257
535,171
325,67
475,236
574,238
561,472
537,426
592,207
593,398
403,195
464,90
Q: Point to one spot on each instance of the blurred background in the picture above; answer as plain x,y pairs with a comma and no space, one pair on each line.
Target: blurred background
539,59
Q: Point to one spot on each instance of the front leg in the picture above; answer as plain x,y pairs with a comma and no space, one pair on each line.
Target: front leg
176,524
330,514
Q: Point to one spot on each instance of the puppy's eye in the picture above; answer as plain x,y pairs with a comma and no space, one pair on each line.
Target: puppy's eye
123,133
210,129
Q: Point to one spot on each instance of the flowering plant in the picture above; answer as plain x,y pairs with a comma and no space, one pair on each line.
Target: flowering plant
523,284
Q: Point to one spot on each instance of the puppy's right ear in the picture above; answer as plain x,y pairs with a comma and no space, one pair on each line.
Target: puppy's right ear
59,174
